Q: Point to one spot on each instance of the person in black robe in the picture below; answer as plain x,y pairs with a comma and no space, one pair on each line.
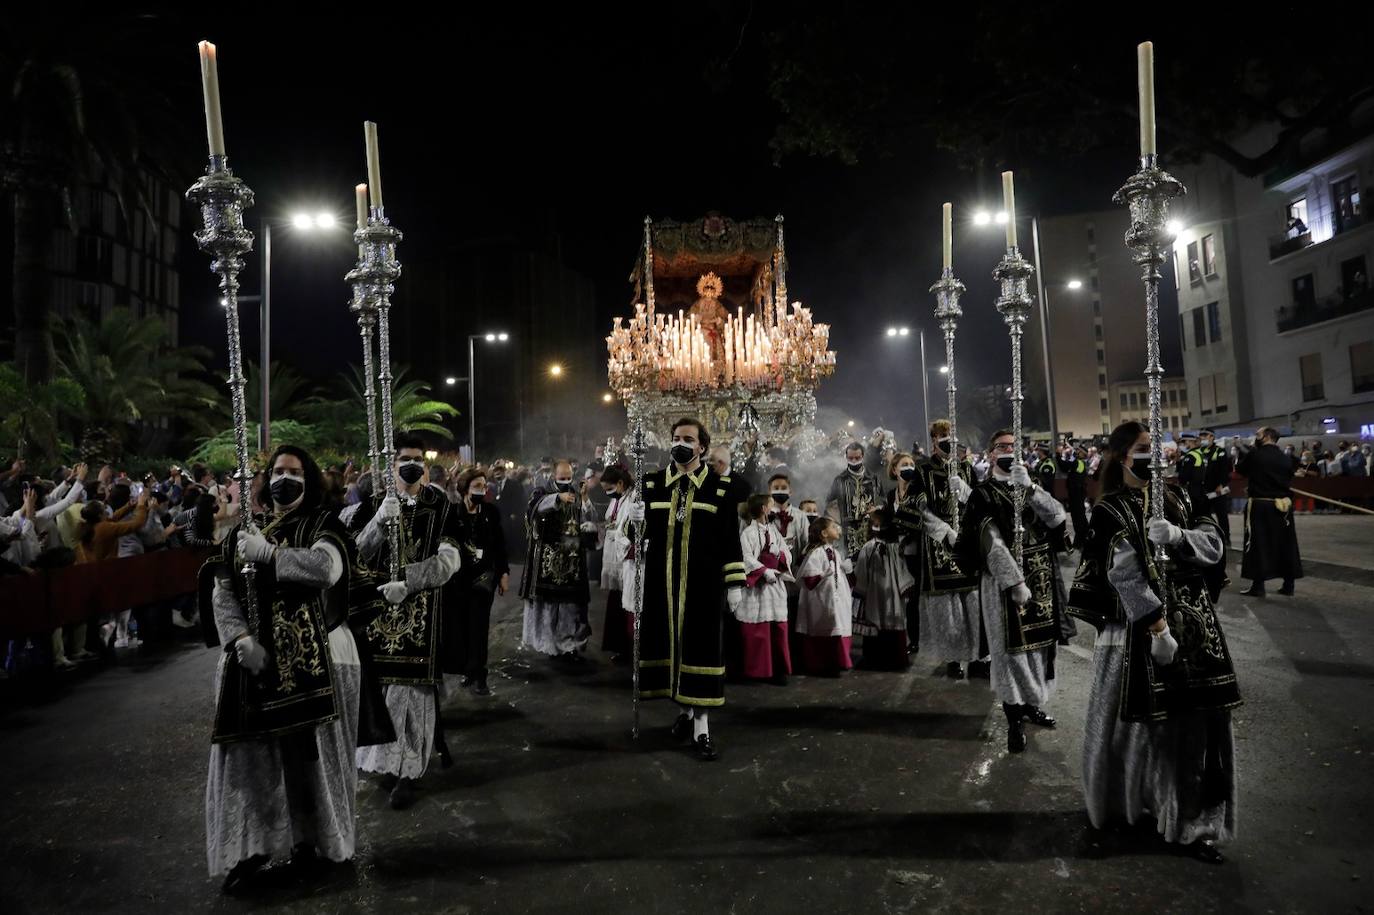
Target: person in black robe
692,560
511,500
1073,463
484,575
1271,540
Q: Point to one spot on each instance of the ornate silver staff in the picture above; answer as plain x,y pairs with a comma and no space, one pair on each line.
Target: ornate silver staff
637,449
947,313
1148,193
1014,304
379,269
222,198
365,310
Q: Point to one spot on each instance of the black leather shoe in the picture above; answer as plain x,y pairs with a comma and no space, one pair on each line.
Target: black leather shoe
465,682
1016,733
238,878
445,757
403,795
779,680
706,749
1205,852
682,728
1286,590
980,669
482,689
1036,715
1252,591
954,670
387,782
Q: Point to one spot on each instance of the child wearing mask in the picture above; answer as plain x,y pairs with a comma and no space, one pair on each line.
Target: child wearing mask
762,614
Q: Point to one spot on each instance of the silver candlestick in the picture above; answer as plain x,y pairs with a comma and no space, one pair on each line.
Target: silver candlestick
365,310
637,449
947,313
1147,194
1014,303
379,269
222,198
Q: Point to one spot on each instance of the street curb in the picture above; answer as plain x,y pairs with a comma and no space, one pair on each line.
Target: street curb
1328,571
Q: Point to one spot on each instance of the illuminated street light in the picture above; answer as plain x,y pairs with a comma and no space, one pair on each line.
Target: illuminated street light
981,218
1075,284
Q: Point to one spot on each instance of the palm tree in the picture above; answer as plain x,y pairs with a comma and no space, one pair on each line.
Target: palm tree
133,380
32,415
77,109
343,419
291,393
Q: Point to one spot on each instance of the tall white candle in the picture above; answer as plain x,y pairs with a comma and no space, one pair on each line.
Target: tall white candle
360,198
209,84
374,164
1009,204
947,214
1145,76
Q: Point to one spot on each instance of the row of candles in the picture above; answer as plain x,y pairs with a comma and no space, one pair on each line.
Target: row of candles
676,350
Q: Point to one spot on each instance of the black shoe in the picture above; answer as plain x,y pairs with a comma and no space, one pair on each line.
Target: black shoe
388,781
236,881
705,749
403,795
482,688
779,680
980,669
1252,591
1016,734
954,670
1286,590
465,682
445,757
305,858
682,728
1205,852
1036,715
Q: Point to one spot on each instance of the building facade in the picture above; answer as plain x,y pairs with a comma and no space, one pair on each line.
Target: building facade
1131,402
1276,307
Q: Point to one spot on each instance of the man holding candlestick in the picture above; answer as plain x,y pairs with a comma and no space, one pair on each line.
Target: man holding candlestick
405,638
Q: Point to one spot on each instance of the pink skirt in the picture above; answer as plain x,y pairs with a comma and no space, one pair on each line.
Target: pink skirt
765,651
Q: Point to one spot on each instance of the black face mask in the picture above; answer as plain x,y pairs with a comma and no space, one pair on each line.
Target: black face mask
907,473
1004,462
856,466
286,490
1140,466
942,446
781,497
477,498
411,473
683,453
563,485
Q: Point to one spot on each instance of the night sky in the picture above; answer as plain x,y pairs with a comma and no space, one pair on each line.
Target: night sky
588,121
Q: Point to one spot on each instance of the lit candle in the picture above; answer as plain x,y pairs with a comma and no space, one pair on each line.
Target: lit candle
1009,204
374,164
1145,77
360,198
948,247
209,84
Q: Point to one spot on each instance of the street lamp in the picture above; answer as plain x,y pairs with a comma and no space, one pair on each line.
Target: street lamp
1074,285
450,381
472,389
607,398
981,218
925,372
555,370
302,222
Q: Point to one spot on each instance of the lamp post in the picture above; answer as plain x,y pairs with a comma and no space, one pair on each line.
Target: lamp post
303,222
898,332
471,379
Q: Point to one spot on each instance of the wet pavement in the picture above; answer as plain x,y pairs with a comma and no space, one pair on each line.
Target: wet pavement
875,792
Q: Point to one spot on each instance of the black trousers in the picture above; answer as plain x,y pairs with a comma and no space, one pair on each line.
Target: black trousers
1080,517
466,639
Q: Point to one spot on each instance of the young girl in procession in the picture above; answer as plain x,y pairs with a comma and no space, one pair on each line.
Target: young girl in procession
762,614
883,583
618,631
826,605
1157,741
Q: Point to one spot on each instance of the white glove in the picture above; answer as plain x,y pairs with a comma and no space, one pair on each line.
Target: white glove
949,535
961,489
1161,531
635,512
256,548
770,575
1163,647
393,591
1020,595
587,527
390,508
1020,476
847,566
252,656
734,596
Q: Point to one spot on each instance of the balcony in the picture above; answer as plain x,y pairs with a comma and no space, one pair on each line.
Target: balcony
1339,305
1279,245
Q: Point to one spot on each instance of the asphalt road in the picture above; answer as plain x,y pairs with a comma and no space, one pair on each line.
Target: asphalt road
876,792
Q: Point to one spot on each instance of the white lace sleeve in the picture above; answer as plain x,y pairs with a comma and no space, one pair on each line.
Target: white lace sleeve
319,566
434,571
999,561
1126,577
